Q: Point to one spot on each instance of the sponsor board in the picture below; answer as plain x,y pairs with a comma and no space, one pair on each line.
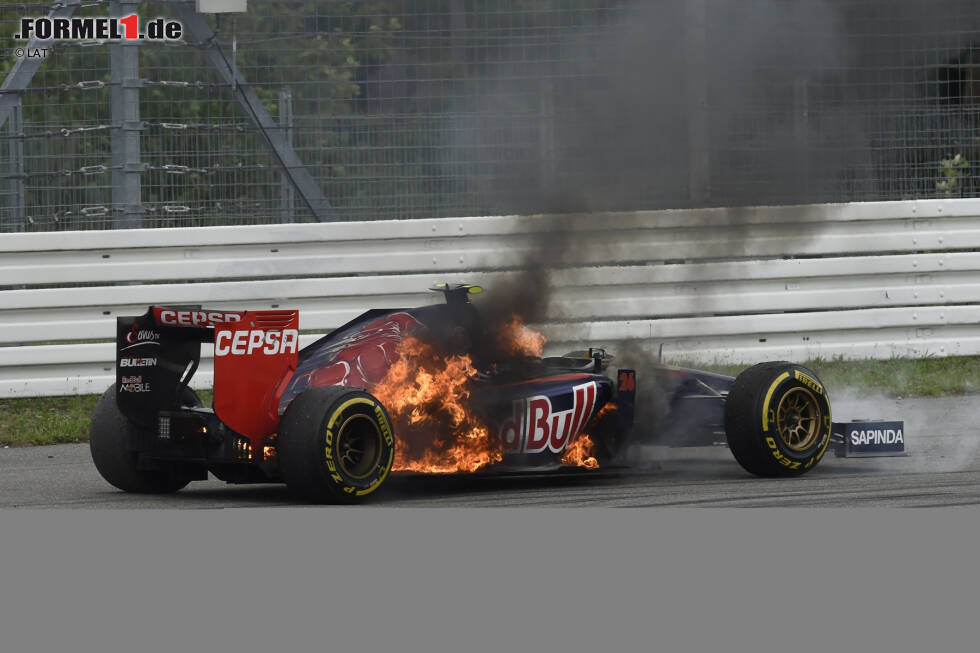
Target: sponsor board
248,341
133,384
138,336
253,361
870,438
134,361
534,427
170,317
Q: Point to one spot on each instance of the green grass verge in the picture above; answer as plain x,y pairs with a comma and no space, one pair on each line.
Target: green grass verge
45,420
52,420
931,377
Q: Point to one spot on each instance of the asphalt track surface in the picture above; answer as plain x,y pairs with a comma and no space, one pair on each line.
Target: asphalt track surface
942,469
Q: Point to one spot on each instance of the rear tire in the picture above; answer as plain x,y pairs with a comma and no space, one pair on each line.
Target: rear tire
110,436
335,445
777,419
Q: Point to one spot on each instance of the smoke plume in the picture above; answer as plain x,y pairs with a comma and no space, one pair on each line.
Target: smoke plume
748,103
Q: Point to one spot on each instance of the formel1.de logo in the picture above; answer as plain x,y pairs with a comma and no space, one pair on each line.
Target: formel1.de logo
107,29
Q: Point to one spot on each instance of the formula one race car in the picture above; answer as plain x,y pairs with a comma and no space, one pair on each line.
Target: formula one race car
312,418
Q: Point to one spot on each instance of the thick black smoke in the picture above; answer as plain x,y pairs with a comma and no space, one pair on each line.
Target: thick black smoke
525,293
777,101
781,101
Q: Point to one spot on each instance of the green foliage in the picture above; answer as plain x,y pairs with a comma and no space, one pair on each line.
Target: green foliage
369,153
322,52
48,420
951,170
51,420
929,377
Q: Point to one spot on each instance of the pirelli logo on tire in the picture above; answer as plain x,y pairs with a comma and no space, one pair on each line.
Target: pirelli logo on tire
808,381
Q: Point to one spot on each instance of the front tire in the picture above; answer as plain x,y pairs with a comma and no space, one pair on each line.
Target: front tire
110,436
335,445
777,419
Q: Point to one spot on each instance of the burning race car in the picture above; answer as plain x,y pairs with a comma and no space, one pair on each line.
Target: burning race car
434,389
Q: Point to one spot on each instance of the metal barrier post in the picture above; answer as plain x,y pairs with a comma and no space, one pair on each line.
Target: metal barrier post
287,194
18,218
699,163
125,108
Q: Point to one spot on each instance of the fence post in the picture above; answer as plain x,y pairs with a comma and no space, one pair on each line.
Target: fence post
546,137
18,216
287,197
801,137
124,93
457,32
699,163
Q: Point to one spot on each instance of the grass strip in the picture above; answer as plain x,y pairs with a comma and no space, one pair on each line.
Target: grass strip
51,420
899,377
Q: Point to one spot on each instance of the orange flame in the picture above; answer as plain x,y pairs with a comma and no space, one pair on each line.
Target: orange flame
581,452
610,407
426,395
518,339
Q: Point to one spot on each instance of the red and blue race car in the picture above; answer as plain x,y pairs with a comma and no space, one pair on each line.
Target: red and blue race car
433,388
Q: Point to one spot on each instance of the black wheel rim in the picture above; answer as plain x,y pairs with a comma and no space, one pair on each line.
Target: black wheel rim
359,446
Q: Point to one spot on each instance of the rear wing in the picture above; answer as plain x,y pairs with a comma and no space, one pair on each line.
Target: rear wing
158,352
155,360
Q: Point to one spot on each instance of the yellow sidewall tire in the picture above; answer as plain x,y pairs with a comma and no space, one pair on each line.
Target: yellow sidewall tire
335,445
778,419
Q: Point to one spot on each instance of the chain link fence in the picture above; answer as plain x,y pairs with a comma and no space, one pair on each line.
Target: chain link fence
426,108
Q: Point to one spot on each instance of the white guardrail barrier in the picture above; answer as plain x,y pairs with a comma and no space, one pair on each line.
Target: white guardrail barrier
879,280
